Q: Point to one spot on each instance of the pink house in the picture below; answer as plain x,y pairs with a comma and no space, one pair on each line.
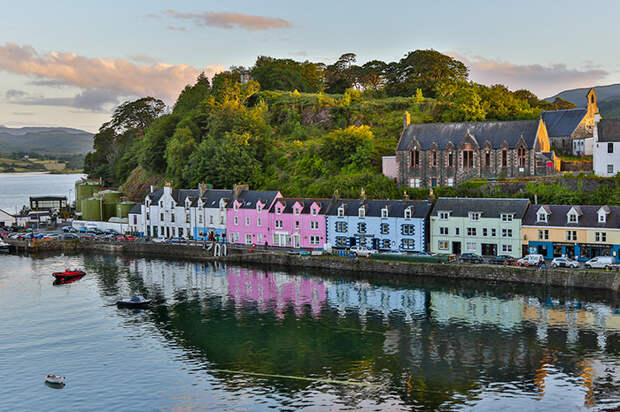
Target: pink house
247,219
298,223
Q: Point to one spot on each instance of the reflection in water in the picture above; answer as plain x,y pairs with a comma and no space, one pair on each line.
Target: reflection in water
267,339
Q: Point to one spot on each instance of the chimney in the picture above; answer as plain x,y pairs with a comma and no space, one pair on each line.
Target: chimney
363,195
406,120
535,198
597,119
336,196
237,189
202,188
151,189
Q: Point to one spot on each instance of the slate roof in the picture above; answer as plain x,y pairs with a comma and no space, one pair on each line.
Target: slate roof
490,207
396,208
179,195
136,209
249,198
609,130
156,195
558,217
495,132
289,202
561,123
211,197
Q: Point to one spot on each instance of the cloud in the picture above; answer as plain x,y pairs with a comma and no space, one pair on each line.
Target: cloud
543,80
176,28
232,20
23,113
96,100
101,77
13,93
143,58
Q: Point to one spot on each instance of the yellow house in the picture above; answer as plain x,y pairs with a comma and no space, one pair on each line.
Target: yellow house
579,232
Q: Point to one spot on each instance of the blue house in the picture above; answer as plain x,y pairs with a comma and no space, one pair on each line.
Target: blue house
384,225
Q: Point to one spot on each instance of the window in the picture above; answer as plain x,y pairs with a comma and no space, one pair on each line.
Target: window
521,156
600,236
506,232
471,231
200,219
236,207
484,232
504,158
487,159
384,212
362,212
572,218
493,232
161,217
571,235
443,230
259,207
385,244
260,238
259,221
444,245
415,158
433,158
341,241
180,231
450,181
506,217
468,158
601,217
610,147
471,246
408,244
450,159
340,211
507,248
457,231
361,228
278,224
172,217
248,239
610,169
385,228
541,217
341,226
543,234
187,218
444,215
408,230
221,220
296,211
161,204
408,213
278,210
475,216
314,211
415,182
236,220
297,224
148,215
314,225
314,240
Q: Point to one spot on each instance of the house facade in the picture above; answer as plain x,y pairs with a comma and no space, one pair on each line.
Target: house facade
606,148
166,212
297,222
7,219
247,218
487,227
135,220
208,214
579,232
384,225
446,154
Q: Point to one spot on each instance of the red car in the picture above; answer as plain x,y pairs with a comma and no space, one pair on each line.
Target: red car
127,239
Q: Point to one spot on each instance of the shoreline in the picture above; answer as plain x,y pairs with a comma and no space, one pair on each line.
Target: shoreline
559,277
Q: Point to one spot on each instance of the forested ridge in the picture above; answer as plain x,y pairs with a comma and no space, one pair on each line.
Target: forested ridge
303,128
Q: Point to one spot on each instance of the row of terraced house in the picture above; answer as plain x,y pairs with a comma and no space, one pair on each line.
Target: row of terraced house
487,227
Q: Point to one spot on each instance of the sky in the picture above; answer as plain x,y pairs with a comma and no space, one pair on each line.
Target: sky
67,63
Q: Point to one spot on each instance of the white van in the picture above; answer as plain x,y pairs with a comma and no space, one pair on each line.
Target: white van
531,260
600,262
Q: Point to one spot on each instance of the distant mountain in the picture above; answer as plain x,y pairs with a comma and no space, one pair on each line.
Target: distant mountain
45,140
608,99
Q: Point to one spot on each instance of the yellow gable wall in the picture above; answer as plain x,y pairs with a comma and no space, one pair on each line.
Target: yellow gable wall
584,235
543,137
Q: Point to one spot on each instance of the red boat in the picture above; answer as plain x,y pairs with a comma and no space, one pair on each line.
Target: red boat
69,274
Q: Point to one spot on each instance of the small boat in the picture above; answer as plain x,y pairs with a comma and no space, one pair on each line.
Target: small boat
69,274
66,281
55,379
135,302
4,247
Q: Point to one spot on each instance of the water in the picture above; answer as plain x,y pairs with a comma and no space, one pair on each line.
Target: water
16,188
232,338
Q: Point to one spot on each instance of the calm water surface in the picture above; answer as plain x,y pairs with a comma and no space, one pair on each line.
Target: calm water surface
16,188
232,338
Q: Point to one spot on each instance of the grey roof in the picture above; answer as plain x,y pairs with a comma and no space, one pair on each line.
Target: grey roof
396,208
495,132
562,123
249,198
179,195
136,209
156,195
289,202
609,130
489,207
589,217
212,197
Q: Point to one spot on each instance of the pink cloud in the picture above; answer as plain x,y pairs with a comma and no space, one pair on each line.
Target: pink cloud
544,81
232,20
113,74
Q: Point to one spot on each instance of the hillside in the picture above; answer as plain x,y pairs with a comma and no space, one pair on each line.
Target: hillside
608,99
45,140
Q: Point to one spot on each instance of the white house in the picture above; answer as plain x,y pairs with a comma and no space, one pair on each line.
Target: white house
6,219
208,213
606,147
167,212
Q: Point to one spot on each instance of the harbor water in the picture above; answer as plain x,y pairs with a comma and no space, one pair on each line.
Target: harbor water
235,338
16,188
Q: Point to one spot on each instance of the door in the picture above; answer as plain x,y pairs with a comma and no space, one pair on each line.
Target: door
456,248
296,240
489,249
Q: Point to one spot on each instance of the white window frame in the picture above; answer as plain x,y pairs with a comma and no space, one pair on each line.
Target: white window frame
384,213
278,224
248,221
341,211
474,216
314,225
443,245
361,212
541,217
444,215
236,220
259,221
408,213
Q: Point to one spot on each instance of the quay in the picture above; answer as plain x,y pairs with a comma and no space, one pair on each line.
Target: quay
559,277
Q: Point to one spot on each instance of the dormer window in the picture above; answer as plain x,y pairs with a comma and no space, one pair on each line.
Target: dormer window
602,217
314,211
572,218
444,215
236,207
384,212
278,210
362,212
161,204
408,213
541,217
341,211
474,216
259,207
507,217
296,211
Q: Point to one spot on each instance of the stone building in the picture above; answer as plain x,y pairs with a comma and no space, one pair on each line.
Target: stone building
446,154
570,131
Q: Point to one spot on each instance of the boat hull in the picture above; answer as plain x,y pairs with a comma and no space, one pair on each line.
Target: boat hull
135,305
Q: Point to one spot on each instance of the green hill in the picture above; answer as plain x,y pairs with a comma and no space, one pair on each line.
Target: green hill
608,99
45,140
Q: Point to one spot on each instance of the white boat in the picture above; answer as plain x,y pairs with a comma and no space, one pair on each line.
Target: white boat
4,247
55,379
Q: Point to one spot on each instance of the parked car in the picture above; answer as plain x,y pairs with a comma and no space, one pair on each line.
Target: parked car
362,251
418,253
176,240
70,236
126,239
600,262
158,240
502,260
531,260
564,262
69,229
471,258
